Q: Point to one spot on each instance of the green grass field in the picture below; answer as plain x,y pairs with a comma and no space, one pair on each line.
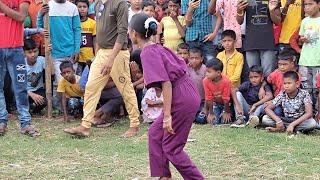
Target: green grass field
219,152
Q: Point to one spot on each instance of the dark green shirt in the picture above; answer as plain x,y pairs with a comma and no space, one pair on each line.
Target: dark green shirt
112,23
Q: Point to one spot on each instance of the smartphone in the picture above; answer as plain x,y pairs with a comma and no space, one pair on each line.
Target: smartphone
195,1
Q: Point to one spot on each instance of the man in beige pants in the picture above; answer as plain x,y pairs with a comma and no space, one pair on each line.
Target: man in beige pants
112,60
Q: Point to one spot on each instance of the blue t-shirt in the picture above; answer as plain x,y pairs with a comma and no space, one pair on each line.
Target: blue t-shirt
35,74
251,93
84,78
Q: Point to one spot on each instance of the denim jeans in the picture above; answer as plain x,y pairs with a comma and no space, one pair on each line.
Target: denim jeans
246,107
12,60
217,111
305,126
75,106
264,58
208,50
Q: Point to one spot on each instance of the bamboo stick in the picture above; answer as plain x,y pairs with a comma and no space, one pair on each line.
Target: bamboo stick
48,65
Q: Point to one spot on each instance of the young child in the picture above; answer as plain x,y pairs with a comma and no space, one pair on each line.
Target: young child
297,107
173,26
70,89
137,75
149,9
197,72
183,51
217,88
248,97
35,73
88,36
232,60
310,54
152,104
168,134
135,8
286,62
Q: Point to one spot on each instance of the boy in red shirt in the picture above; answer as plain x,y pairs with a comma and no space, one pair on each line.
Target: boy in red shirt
12,16
286,62
217,88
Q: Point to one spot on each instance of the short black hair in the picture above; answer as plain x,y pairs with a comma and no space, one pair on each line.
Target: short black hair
29,44
83,1
229,33
183,46
287,55
196,50
135,56
292,75
66,64
215,64
147,3
256,69
176,2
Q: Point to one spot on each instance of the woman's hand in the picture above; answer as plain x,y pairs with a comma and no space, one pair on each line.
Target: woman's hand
167,124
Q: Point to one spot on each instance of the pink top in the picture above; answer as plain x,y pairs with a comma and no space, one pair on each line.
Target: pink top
151,112
229,9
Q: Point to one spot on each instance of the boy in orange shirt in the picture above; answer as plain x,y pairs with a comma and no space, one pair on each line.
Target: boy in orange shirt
217,89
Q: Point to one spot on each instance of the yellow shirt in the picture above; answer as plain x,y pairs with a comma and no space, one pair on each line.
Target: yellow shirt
232,67
71,90
88,32
171,34
292,21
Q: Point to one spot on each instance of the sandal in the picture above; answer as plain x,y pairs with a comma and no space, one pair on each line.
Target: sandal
30,130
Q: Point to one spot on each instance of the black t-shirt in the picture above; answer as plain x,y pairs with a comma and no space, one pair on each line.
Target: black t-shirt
259,27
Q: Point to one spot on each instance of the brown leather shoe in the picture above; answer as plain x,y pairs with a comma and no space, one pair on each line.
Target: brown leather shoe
79,131
3,129
132,131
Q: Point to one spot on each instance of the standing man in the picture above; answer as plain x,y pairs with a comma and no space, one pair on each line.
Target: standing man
259,42
112,60
65,32
12,16
199,31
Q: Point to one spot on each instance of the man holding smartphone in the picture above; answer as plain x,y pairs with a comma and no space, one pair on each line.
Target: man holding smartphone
199,27
259,42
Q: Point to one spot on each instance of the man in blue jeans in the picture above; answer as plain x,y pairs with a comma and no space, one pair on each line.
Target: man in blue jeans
12,15
199,27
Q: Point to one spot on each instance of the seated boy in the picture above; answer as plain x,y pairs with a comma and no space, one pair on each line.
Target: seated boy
217,88
297,107
197,72
232,59
286,62
35,76
109,106
136,75
71,92
183,51
248,97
